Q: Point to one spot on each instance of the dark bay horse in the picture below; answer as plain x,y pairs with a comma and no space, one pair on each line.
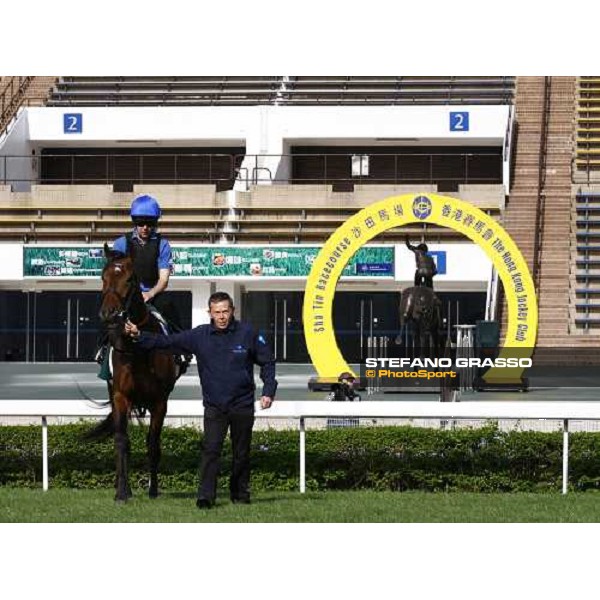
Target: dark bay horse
421,317
141,380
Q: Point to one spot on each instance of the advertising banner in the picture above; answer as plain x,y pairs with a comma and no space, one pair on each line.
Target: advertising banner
210,261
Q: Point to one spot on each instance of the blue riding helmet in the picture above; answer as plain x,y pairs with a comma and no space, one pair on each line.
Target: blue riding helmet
145,206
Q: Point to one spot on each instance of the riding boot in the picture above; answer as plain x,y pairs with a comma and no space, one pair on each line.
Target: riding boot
104,372
181,360
102,346
101,354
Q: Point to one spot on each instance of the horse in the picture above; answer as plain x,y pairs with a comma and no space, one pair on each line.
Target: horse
421,312
141,380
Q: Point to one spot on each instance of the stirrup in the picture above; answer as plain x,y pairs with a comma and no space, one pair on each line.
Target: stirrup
183,362
101,354
183,359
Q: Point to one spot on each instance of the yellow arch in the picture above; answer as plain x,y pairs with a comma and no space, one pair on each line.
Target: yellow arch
397,211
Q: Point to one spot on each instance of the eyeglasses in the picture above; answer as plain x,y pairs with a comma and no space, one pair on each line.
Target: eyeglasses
144,222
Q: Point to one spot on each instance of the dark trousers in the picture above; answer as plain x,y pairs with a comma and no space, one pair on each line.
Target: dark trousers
216,423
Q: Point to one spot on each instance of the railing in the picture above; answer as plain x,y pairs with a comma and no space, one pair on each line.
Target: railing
541,192
302,410
173,168
585,161
507,150
15,87
491,307
11,99
283,90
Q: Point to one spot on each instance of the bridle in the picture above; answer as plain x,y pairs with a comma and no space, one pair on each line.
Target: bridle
126,301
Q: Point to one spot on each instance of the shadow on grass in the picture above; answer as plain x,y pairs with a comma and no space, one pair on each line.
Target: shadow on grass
260,500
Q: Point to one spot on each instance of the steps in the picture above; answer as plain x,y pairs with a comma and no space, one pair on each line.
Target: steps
586,276
540,204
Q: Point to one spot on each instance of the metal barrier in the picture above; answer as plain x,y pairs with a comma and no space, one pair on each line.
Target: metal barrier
377,347
464,349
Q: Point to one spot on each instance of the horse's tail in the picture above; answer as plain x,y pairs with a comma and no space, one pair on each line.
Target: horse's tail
104,429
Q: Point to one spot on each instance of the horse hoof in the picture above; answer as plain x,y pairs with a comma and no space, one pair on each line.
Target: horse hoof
153,495
121,500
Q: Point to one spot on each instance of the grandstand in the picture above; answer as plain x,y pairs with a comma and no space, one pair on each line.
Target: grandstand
285,160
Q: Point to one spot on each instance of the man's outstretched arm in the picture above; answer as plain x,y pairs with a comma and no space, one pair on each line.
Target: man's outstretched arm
181,343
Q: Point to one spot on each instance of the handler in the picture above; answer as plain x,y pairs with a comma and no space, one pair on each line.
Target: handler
226,351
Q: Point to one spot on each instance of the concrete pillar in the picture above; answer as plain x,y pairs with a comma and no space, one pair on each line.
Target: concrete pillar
283,167
263,162
201,291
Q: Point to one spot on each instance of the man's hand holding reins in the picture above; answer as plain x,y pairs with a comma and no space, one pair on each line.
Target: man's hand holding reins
131,329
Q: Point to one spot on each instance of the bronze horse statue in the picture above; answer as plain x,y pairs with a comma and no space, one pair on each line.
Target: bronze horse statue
141,380
421,320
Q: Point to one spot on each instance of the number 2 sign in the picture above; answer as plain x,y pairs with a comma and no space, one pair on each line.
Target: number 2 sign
459,121
72,123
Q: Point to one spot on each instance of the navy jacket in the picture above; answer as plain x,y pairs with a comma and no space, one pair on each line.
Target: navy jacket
226,361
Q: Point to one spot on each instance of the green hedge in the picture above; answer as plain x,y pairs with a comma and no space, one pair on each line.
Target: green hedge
379,458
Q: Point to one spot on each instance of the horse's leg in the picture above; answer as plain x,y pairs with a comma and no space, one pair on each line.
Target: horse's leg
427,339
410,331
121,415
423,341
153,440
406,307
400,336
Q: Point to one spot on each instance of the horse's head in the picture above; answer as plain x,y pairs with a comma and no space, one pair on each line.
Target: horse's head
120,287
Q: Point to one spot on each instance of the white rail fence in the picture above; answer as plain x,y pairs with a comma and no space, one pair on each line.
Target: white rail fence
302,410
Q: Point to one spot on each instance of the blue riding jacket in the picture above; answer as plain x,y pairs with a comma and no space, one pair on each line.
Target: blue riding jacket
226,360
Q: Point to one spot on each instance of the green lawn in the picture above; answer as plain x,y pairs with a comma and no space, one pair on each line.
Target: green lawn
60,505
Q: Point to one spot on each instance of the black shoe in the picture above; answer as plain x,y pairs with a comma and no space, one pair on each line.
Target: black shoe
204,503
241,500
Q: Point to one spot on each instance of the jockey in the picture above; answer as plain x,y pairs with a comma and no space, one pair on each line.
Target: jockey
426,268
152,257
152,262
